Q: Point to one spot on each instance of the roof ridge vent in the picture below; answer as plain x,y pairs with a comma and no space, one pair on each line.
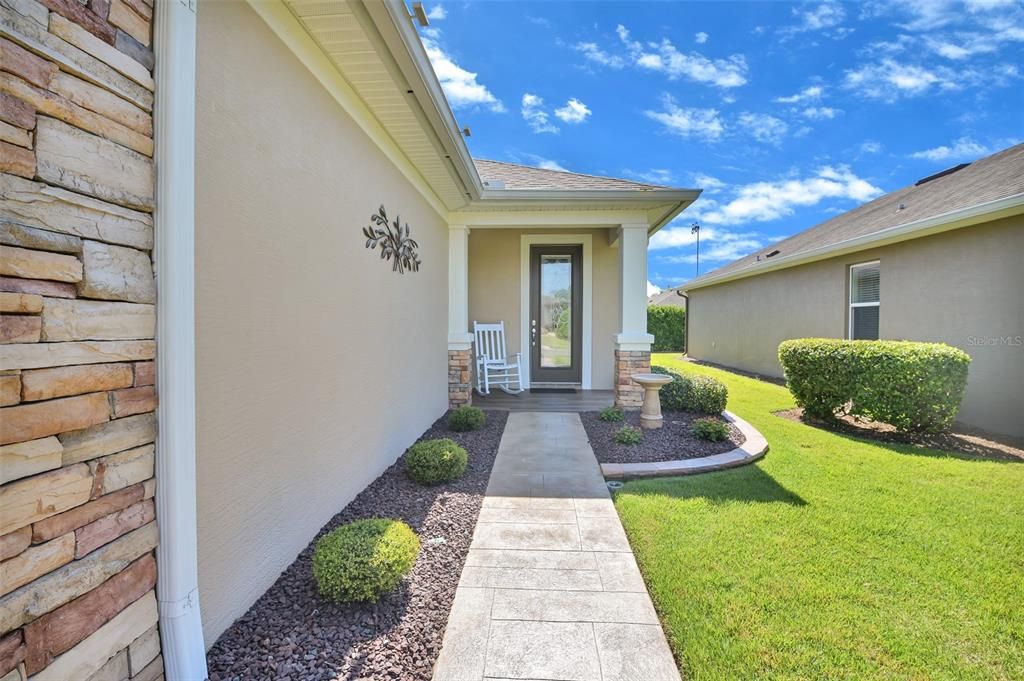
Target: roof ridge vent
941,173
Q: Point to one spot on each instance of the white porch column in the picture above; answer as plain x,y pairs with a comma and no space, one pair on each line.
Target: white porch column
177,588
460,340
633,343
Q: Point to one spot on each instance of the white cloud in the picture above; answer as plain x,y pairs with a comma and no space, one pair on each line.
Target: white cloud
825,15
437,13
460,86
818,113
890,79
661,176
665,58
574,111
700,38
870,147
812,93
652,289
537,161
716,245
595,54
963,149
767,201
709,184
762,127
662,56
688,122
534,114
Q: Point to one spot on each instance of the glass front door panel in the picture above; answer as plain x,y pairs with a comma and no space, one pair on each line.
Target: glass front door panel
556,332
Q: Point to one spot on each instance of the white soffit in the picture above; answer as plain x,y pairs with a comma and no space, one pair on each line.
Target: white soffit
337,29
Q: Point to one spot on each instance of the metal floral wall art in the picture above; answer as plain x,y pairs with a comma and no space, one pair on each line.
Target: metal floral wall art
395,243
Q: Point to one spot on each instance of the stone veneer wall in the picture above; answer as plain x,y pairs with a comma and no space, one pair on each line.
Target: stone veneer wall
628,393
77,323
460,378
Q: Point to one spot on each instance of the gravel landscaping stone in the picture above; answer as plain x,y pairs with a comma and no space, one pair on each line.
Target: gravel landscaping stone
670,442
291,633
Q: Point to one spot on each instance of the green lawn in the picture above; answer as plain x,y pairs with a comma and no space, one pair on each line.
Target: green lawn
833,557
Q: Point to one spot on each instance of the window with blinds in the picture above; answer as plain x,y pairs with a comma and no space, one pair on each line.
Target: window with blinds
865,300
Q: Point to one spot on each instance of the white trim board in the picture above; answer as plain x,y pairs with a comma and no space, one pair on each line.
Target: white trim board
587,241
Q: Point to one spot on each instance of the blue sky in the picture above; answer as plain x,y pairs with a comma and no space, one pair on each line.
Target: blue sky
784,113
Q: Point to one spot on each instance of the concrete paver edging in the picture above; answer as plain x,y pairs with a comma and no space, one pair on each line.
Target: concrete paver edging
753,448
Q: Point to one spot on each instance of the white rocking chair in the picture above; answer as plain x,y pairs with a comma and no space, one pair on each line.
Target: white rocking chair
493,366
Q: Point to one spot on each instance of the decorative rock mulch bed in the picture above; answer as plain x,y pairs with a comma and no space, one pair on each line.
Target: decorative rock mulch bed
291,633
671,442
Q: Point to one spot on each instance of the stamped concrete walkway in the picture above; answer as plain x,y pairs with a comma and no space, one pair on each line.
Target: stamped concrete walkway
550,589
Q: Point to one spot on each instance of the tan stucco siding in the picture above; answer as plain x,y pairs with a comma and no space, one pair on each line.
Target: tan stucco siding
495,277
956,288
317,365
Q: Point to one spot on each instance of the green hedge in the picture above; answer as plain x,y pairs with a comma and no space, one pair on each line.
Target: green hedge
668,326
702,394
912,386
363,560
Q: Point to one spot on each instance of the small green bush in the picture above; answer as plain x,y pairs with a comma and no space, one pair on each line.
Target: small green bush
435,461
672,395
706,395
629,435
914,387
702,394
667,324
710,429
363,560
611,414
466,418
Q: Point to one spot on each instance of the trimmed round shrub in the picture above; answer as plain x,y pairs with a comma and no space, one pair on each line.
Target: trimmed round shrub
914,387
628,435
466,418
672,395
706,395
702,394
363,560
667,323
611,415
432,462
709,429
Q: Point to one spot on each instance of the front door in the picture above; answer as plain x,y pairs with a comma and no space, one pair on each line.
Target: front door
556,313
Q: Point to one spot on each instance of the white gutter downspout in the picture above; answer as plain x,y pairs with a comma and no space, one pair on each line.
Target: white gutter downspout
181,630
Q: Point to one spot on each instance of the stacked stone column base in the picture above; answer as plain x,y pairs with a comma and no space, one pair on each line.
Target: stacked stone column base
460,378
628,394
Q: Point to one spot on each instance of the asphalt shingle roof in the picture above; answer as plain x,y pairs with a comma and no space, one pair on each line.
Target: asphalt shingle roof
527,177
993,177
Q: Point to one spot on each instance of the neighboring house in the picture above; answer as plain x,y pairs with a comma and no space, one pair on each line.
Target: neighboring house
942,260
293,363
670,296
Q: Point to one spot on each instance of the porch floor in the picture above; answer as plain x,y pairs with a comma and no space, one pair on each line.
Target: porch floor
581,400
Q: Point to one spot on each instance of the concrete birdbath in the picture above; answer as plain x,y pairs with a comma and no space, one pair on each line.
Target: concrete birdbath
650,412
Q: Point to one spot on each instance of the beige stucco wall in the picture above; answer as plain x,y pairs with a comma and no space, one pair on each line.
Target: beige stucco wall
317,365
495,277
955,288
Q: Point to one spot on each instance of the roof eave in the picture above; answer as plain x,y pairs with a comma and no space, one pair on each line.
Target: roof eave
392,20
944,222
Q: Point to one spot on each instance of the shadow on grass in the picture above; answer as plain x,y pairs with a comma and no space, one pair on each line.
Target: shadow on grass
749,484
966,446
